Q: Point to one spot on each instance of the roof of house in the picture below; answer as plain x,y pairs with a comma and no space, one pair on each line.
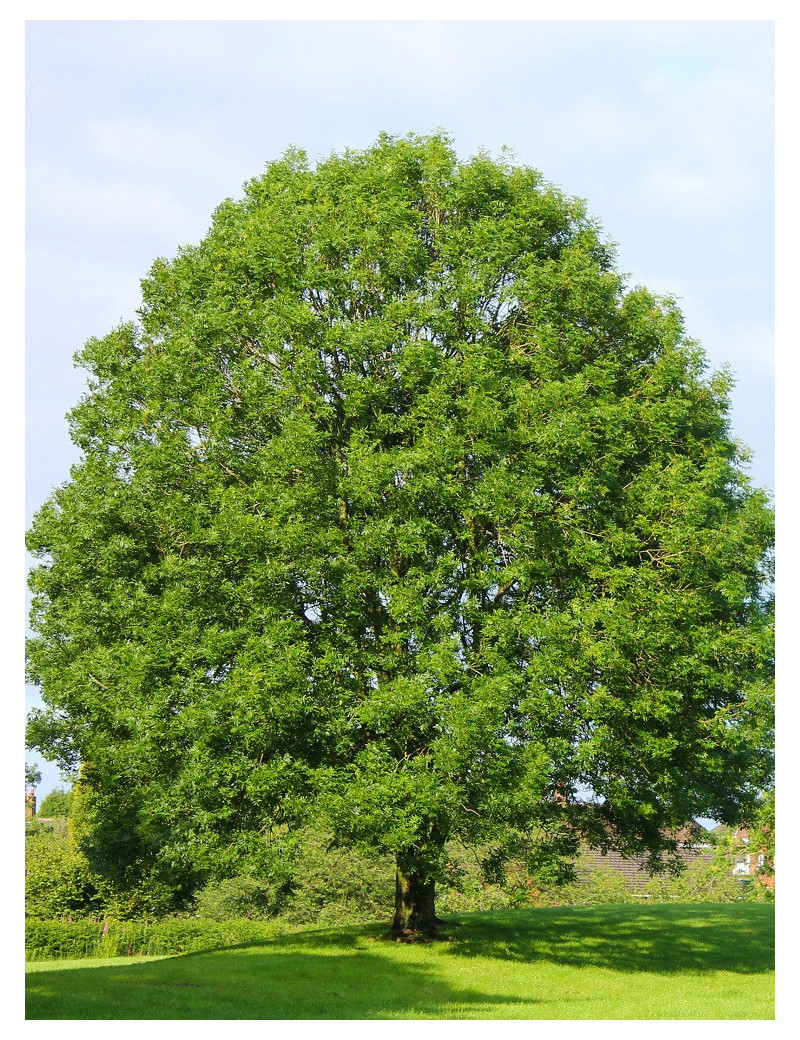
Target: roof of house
633,868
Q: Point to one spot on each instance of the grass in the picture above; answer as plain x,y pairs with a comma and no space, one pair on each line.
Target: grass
709,961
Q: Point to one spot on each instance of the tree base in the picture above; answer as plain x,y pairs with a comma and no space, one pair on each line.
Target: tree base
450,924
413,935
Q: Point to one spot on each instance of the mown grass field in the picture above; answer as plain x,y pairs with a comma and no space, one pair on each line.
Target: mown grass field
704,961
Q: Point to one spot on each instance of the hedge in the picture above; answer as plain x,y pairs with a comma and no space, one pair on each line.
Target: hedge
47,940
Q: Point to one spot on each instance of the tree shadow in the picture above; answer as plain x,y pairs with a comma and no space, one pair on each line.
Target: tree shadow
260,982
340,973
667,939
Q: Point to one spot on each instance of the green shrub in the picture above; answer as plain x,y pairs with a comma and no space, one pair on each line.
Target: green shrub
597,885
711,881
330,885
142,897
701,882
59,881
474,895
57,803
130,882
237,898
45,940
334,885
518,888
57,878
466,889
57,939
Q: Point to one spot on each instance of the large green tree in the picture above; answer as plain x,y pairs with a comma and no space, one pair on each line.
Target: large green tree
399,507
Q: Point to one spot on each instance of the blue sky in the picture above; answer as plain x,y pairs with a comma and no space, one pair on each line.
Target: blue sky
135,131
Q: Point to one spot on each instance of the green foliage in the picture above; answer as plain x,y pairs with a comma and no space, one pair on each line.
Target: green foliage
326,884
674,963
756,840
595,886
762,836
335,885
144,896
518,887
45,940
57,879
33,775
238,897
116,847
398,510
701,882
56,803
60,880
51,939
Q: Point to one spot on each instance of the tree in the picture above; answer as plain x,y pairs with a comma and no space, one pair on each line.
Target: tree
57,882
399,508
762,837
57,803
33,777
752,846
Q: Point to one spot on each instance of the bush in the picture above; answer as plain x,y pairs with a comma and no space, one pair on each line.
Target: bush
141,897
56,939
59,881
129,880
57,878
518,888
238,897
596,885
56,804
334,885
466,889
46,940
701,882
329,885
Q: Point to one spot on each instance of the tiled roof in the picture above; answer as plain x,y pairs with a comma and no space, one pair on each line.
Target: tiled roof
632,869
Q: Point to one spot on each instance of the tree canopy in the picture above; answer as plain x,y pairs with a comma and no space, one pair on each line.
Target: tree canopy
56,803
399,507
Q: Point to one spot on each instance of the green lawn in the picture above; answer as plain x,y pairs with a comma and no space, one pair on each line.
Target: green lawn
705,961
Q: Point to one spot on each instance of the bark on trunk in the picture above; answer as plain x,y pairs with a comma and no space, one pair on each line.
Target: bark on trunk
414,904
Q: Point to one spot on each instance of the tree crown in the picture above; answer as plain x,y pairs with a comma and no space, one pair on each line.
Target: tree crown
397,502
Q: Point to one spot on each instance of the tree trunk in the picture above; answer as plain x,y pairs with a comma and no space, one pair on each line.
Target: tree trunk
414,910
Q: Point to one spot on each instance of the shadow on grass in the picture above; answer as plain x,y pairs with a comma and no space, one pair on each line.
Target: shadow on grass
256,982
349,973
664,939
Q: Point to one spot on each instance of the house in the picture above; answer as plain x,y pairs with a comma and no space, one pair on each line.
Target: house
751,856
694,844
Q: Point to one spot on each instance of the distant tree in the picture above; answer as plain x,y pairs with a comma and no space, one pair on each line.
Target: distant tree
56,803
400,509
754,842
33,775
57,880
763,833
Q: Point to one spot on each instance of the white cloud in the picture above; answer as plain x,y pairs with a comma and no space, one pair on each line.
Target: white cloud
755,346
291,59
604,123
724,124
103,208
140,141
709,190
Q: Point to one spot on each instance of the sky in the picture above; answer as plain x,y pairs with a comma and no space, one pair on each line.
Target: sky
136,130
